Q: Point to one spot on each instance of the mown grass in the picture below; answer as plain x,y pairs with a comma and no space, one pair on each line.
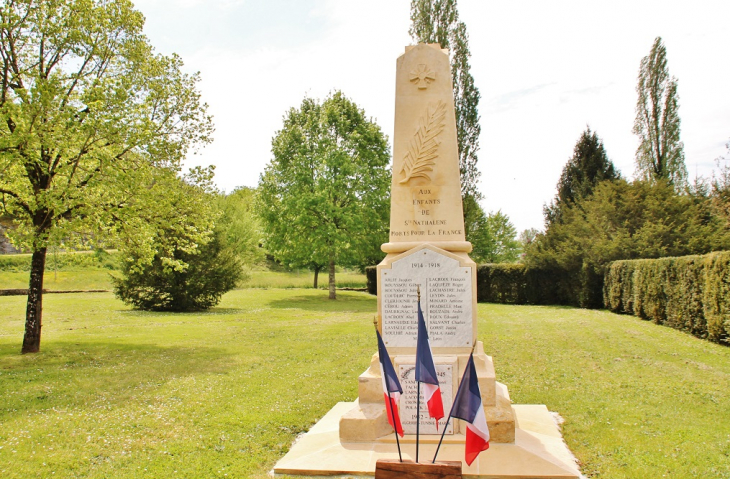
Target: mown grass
121,393
639,400
61,280
96,278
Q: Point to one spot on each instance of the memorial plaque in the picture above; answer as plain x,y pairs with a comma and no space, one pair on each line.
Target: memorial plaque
446,300
408,404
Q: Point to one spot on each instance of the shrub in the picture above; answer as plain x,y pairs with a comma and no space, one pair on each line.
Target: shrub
371,272
209,272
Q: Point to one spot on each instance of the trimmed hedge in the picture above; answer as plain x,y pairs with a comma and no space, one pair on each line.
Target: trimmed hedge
68,260
510,283
502,283
689,293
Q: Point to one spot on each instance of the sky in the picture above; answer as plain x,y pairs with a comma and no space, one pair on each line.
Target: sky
545,71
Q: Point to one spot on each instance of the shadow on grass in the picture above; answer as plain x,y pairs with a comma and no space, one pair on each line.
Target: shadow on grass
345,302
216,311
71,374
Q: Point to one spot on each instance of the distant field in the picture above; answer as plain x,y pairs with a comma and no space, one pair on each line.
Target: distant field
96,278
63,280
127,394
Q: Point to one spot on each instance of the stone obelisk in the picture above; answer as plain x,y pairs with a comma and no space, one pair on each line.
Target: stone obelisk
427,251
426,189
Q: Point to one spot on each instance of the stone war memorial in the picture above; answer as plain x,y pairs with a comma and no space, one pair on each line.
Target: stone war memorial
427,251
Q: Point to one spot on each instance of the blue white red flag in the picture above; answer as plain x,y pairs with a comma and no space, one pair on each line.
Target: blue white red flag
468,406
391,386
426,371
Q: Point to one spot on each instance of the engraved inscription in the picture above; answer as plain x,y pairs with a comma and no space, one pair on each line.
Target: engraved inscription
406,373
446,300
423,148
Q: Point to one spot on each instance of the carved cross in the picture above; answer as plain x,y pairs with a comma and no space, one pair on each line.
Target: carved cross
422,76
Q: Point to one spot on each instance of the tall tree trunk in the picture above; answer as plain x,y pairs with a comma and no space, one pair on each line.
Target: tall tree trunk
32,338
316,275
332,279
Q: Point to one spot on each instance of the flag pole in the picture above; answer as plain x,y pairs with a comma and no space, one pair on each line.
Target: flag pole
392,412
418,393
451,411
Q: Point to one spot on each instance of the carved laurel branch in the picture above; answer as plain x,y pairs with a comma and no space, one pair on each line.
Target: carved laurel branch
423,148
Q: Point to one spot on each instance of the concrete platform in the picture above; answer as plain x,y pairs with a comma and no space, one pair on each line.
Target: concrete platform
537,453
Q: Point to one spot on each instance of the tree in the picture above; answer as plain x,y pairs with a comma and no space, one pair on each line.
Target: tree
526,239
437,21
588,166
323,198
88,112
623,220
185,273
493,237
721,187
240,225
661,152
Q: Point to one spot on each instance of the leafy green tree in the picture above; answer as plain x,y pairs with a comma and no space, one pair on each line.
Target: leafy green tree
437,21
240,224
527,237
323,198
660,155
493,237
186,272
588,166
721,187
87,111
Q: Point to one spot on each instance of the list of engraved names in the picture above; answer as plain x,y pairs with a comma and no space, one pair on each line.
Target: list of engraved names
446,300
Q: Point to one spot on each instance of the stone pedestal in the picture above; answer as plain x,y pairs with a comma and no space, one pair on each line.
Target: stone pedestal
367,418
538,450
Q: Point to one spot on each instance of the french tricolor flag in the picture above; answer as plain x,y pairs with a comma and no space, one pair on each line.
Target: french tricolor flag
391,386
468,406
426,371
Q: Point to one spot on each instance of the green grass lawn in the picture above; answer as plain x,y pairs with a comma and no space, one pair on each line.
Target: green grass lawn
121,393
64,280
90,278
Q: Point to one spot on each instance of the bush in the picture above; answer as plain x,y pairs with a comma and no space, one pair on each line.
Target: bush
371,272
689,293
211,271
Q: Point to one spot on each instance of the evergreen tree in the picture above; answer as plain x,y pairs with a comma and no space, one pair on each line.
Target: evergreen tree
184,261
588,166
437,21
661,153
